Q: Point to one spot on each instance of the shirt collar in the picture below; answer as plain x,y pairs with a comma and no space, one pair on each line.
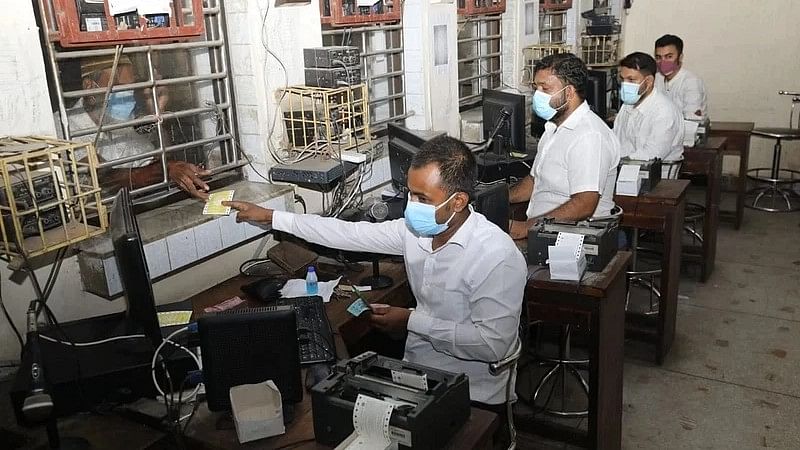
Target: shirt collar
461,237
649,101
572,120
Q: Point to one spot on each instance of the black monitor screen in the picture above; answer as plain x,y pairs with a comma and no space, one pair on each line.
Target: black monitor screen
511,136
250,346
134,275
403,145
597,92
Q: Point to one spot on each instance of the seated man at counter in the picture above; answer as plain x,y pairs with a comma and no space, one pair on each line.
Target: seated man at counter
575,169
648,124
126,142
683,87
467,275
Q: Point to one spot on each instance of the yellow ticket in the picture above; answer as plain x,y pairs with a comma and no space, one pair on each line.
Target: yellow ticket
214,203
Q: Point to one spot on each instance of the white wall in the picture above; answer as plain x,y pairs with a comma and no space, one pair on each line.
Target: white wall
24,104
745,51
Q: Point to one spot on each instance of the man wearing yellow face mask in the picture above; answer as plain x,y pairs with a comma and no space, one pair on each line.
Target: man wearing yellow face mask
125,142
648,124
467,275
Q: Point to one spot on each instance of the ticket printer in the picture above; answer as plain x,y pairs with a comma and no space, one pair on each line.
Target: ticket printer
599,241
429,405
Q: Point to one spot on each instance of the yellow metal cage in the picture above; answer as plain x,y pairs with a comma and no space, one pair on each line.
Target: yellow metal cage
326,120
48,192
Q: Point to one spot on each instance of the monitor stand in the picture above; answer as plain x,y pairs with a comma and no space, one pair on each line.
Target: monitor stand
376,280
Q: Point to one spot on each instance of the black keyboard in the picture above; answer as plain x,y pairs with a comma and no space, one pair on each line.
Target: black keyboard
314,335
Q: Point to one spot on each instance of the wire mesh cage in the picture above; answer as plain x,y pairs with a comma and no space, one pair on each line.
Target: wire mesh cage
600,50
534,53
326,120
49,191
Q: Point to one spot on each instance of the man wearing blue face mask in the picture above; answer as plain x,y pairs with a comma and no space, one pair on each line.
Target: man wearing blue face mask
573,175
125,142
648,124
467,275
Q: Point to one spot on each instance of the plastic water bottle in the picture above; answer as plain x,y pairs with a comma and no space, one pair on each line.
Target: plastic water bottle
312,286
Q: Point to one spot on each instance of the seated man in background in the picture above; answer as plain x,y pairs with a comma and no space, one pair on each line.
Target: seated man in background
467,275
125,142
684,88
648,124
575,169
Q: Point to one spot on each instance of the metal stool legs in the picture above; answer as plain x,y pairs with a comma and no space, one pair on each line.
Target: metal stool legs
565,366
643,278
773,195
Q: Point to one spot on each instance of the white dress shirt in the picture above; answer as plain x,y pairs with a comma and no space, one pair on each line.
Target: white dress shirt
469,291
687,91
580,155
654,129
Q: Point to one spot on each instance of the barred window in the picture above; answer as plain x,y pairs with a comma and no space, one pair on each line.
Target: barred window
168,102
382,68
479,56
552,27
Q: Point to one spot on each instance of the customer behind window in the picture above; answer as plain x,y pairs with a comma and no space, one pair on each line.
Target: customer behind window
648,124
126,142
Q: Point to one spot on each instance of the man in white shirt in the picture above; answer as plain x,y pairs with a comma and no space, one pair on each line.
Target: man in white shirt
648,124
685,88
467,275
125,142
573,175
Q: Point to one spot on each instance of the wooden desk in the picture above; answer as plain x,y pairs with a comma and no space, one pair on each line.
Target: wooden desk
738,135
202,433
706,161
659,210
597,306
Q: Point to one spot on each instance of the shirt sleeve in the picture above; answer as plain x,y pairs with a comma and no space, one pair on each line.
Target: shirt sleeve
693,97
384,237
587,167
657,134
494,309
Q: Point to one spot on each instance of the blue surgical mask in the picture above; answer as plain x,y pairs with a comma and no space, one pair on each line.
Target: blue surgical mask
629,92
121,105
421,218
541,104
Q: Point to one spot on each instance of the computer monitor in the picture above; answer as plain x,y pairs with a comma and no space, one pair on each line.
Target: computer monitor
491,200
403,145
135,277
250,346
511,136
597,92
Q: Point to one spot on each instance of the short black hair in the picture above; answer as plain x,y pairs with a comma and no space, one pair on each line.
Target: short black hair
642,62
568,68
670,39
457,167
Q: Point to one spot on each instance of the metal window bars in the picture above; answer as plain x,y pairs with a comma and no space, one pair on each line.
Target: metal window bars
600,50
197,125
534,53
382,68
552,27
479,56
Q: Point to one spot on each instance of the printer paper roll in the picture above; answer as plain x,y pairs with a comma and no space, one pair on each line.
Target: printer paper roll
371,423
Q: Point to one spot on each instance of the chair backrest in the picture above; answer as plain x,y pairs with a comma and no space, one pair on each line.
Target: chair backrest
613,217
795,102
671,169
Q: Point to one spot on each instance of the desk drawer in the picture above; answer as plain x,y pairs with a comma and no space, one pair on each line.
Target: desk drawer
560,314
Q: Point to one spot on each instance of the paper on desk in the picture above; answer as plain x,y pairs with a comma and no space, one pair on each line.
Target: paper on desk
297,288
690,132
566,258
371,425
628,181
